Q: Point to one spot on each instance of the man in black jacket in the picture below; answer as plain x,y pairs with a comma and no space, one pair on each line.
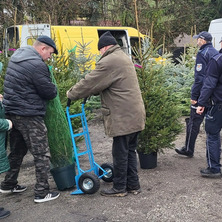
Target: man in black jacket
205,53
27,87
212,91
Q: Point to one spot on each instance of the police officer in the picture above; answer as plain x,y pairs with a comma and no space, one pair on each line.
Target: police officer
212,90
205,53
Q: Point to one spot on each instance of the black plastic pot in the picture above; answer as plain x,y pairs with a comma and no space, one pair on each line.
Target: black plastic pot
148,161
64,177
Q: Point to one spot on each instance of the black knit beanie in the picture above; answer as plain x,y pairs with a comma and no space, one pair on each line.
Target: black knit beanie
106,39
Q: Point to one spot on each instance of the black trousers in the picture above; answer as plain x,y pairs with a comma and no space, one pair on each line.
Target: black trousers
193,129
213,128
125,162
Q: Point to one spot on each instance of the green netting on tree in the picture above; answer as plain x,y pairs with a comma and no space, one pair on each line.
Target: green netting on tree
59,137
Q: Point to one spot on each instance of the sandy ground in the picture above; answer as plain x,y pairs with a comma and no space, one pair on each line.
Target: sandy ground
174,191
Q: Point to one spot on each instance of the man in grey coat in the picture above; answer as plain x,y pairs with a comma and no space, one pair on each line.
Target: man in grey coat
115,79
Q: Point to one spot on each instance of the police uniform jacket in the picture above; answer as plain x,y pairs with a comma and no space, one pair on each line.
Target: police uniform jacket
205,53
212,87
115,79
27,84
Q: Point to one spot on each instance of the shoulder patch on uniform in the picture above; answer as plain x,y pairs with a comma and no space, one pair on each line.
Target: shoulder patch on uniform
199,67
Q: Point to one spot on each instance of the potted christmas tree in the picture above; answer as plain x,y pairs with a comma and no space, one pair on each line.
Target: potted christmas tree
162,113
60,144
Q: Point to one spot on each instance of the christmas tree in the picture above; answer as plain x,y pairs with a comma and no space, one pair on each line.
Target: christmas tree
59,137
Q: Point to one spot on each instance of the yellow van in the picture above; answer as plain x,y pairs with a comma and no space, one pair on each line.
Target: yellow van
66,37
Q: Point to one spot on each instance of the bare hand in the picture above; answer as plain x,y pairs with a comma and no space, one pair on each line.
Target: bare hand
193,102
200,110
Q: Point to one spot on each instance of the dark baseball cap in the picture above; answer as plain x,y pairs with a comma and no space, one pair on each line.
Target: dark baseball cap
48,41
220,40
204,35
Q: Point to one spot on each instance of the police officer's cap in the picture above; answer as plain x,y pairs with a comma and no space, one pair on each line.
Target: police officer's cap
204,35
48,41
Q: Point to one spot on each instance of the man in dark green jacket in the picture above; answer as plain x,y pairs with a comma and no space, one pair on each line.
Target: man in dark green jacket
5,125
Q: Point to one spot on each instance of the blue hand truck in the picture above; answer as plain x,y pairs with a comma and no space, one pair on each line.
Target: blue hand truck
87,180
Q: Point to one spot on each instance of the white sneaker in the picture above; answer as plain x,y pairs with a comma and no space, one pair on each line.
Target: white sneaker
16,189
48,197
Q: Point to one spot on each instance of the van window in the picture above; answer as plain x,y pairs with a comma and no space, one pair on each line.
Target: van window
13,34
134,42
120,42
11,39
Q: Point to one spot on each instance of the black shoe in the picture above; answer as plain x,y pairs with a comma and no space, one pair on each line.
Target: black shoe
134,191
4,214
48,197
183,151
208,173
16,189
113,193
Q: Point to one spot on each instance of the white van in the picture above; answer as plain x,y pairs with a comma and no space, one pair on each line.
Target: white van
215,29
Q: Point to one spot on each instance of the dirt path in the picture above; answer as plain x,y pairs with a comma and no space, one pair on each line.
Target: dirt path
174,191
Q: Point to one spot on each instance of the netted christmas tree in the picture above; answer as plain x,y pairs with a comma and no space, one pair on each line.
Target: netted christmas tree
67,73
59,137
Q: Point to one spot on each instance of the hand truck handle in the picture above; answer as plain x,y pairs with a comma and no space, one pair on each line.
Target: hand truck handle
68,102
84,101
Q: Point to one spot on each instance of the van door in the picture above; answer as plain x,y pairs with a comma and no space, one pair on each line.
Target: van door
215,29
11,38
29,33
122,39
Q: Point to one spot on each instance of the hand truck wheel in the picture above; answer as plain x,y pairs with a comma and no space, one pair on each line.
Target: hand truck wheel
108,167
89,183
